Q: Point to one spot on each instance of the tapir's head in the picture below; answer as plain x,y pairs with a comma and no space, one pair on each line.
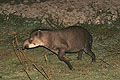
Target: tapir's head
35,40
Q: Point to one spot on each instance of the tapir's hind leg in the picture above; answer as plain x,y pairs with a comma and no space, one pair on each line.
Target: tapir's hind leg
90,53
80,55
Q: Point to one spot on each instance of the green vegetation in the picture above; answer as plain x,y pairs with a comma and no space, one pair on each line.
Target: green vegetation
106,46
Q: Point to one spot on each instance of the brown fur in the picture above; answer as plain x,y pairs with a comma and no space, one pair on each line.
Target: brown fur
70,39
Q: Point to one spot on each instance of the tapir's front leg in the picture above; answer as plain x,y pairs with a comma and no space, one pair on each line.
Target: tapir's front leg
62,57
56,52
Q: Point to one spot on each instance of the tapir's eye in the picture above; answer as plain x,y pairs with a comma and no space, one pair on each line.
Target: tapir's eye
30,40
34,43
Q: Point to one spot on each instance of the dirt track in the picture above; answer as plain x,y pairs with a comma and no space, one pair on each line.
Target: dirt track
70,11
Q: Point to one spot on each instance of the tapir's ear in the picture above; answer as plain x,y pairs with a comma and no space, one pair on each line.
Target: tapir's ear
39,33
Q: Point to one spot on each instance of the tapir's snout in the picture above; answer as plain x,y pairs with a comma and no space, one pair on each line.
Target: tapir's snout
30,45
25,45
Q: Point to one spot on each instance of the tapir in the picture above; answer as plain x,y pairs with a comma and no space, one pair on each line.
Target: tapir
72,39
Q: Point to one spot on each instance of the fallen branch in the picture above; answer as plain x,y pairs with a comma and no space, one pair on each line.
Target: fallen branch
22,57
20,60
105,62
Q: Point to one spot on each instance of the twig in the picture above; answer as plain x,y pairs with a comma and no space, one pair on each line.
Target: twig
20,60
45,73
46,60
18,48
22,55
40,71
35,66
105,62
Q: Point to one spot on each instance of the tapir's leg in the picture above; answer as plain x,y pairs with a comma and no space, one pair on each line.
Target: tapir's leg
62,57
80,55
56,52
90,53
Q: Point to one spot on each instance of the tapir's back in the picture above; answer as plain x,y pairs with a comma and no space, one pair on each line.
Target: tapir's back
76,37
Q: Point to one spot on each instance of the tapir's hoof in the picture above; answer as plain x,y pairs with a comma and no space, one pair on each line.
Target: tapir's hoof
93,62
72,68
79,58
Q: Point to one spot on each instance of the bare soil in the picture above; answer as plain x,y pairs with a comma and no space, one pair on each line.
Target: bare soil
70,11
